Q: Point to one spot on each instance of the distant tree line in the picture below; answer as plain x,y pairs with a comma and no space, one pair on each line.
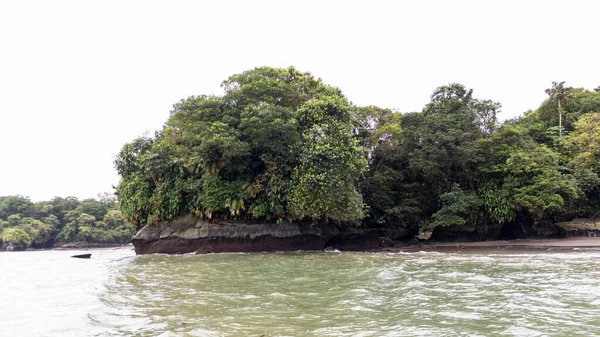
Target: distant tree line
62,220
280,145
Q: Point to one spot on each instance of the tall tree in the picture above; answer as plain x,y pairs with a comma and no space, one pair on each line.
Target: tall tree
260,151
558,95
425,163
522,177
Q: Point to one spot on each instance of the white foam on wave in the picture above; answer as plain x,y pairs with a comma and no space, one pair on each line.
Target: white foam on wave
248,297
461,315
520,331
361,308
455,274
415,284
479,278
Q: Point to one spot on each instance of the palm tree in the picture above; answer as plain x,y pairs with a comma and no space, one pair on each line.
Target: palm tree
559,93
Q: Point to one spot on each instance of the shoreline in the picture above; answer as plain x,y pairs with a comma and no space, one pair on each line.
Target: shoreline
534,245
90,246
127,246
517,246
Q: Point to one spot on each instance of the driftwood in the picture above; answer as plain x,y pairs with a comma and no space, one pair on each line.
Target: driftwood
82,256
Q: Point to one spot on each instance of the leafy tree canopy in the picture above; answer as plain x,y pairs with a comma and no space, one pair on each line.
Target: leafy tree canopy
41,224
277,145
280,145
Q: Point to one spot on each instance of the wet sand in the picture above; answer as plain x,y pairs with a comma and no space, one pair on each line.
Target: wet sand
574,244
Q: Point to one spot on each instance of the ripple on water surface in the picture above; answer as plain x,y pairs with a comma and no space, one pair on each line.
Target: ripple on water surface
354,294
317,294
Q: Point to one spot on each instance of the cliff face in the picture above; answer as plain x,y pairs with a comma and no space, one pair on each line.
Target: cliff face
579,227
189,235
586,227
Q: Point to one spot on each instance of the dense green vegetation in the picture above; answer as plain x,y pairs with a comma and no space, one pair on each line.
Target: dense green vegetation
62,220
280,145
277,146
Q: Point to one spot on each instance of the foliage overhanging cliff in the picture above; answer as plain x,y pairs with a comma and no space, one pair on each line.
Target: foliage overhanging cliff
280,145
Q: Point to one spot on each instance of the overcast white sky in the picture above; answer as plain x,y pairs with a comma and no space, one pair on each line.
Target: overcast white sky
80,78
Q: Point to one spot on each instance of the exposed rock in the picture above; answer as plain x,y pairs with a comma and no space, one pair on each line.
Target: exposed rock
358,239
547,229
385,242
189,234
71,245
398,233
193,235
521,229
414,241
491,231
14,247
586,227
467,233
424,235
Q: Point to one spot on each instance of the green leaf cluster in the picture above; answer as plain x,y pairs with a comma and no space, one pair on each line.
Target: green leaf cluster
278,145
454,164
62,220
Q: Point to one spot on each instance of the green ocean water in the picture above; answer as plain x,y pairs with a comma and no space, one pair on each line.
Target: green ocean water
300,294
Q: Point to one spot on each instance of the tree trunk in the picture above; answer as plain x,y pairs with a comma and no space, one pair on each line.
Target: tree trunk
559,120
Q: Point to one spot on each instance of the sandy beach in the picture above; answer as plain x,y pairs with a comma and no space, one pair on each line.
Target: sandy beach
573,244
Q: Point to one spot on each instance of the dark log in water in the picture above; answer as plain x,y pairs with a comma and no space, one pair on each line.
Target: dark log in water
82,256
